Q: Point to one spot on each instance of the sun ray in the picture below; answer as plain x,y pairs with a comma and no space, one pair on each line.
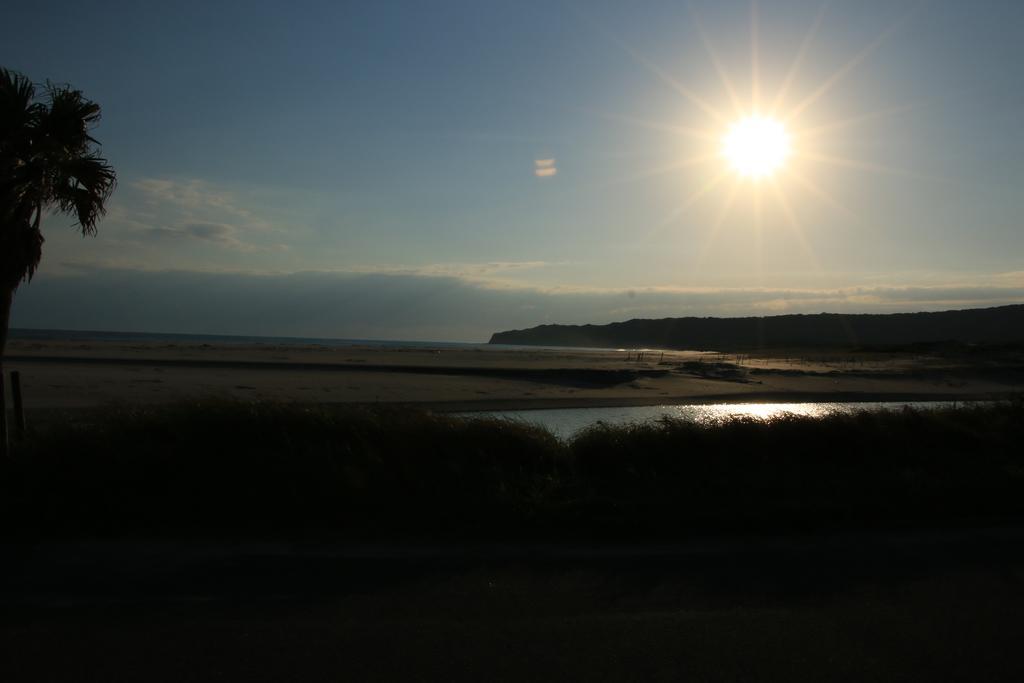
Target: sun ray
755,65
703,190
758,235
659,72
652,125
851,65
796,227
824,196
669,80
854,120
663,170
723,215
845,162
712,53
794,68
692,199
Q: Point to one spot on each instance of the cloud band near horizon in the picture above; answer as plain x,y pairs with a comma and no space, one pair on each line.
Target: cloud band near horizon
425,307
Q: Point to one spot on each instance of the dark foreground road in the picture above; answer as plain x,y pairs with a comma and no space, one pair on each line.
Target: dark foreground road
927,606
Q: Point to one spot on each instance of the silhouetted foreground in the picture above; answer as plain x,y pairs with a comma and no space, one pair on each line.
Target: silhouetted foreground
234,469
938,599
999,325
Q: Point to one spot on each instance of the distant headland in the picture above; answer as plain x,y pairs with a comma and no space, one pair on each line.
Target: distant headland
998,325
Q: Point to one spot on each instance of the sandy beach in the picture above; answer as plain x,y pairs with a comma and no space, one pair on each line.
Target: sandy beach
75,374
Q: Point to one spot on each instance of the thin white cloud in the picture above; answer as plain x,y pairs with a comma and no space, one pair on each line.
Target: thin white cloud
195,196
485,274
165,209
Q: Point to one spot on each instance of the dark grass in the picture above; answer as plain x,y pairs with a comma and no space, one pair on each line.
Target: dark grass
224,469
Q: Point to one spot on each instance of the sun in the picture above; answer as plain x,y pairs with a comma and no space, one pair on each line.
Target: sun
756,146
764,140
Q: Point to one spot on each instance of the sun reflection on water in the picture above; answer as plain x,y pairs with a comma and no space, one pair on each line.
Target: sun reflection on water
757,411
565,422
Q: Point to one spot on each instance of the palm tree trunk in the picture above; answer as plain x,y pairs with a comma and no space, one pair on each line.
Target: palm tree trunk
6,298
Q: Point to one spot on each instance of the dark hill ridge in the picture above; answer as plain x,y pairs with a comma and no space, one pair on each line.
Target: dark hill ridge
997,325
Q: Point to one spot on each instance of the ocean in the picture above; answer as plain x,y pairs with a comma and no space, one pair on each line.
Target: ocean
179,338
237,340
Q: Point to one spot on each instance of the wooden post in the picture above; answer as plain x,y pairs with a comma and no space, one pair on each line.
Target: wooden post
19,408
4,443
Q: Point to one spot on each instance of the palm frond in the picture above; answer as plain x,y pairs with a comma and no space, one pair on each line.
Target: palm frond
17,108
82,186
48,161
65,124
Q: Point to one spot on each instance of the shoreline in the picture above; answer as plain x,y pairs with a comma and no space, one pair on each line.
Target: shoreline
69,374
701,400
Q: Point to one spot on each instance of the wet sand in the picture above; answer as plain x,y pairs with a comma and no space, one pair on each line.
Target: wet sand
57,374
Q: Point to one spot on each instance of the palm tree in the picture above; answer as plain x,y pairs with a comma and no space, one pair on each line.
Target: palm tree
48,164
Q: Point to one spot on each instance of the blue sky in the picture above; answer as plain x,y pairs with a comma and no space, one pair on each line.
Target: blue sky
386,153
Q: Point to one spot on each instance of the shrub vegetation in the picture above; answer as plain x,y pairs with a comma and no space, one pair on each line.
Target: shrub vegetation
227,469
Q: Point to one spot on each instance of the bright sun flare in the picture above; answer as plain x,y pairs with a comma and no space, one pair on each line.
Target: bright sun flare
756,146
